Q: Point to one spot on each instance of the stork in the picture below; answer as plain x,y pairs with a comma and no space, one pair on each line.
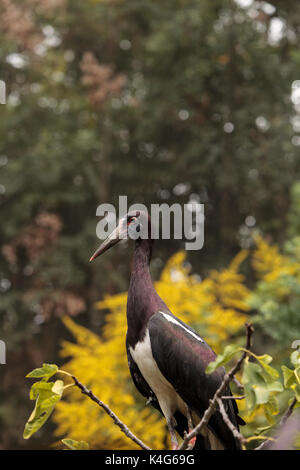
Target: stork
166,357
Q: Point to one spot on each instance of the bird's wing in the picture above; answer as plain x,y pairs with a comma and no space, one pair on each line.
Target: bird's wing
182,357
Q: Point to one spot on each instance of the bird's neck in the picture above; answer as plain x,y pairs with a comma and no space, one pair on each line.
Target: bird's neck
143,301
142,256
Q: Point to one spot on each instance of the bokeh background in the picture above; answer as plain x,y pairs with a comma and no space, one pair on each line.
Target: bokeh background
162,101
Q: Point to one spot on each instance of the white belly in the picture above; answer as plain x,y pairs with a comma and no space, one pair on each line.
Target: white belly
168,398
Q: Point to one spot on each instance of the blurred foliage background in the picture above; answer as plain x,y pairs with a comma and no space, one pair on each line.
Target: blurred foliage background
174,101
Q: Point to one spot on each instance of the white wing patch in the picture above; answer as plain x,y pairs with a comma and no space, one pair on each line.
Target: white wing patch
173,320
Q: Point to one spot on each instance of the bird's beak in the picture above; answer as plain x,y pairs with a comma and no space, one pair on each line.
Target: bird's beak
114,238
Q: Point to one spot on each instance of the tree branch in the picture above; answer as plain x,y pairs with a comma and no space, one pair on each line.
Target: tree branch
229,424
106,408
238,384
242,397
288,412
219,393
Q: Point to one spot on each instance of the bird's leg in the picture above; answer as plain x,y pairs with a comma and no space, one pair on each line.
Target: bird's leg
190,428
174,441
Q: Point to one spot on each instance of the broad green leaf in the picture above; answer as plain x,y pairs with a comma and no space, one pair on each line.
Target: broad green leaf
76,445
33,414
265,361
36,422
265,358
262,429
250,398
49,402
275,386
268,414
223,358
295,358
58,387
251,373
259,386
47,394
46,371
261,393
39,387
288,377
296,389
271,409
250,376
57,391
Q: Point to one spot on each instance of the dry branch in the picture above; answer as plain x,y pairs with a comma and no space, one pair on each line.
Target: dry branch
288,412
229,424
106,408
242,397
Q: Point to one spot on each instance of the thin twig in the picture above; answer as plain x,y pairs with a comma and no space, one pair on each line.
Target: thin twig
219,393
288,412
106,408
238,384
229,424
242,397
263,445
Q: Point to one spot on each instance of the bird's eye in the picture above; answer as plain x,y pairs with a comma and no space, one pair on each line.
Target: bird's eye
131,219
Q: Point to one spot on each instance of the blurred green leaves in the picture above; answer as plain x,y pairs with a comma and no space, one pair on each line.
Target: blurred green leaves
75,445
291,377
261,387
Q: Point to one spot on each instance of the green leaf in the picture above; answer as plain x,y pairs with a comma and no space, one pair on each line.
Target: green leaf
76,445
58,387
261,393
223,358
275,386
57,391
268,414
271,408
296,389
36,421
288,377
265,361
46,371
40,387
47,394
263,429
295,358
259,386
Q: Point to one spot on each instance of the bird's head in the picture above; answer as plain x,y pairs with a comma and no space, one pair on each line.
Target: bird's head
135,224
